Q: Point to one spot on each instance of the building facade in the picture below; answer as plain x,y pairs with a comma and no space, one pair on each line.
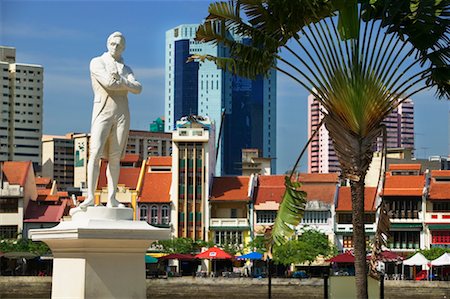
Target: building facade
21,109
142,143
192,171
244,111
321,154
58,159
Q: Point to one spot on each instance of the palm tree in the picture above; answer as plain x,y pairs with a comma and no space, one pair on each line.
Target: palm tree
360,59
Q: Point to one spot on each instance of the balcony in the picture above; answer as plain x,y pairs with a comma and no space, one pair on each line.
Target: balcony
348,228
437,217
11,191
229,223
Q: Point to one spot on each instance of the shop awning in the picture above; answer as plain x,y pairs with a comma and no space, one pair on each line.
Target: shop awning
150,259
417,226
438,226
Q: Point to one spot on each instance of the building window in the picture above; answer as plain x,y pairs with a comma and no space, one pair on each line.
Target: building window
228,237
143,213
8,205
8,231
233,213
347,241
154,215
266,216
317,217
405,240
165,214
440,237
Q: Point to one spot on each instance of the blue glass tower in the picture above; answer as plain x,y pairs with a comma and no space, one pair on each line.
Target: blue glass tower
203,89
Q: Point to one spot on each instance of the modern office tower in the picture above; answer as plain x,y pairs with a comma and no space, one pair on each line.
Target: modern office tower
200,88
142,143
58,159
321,155
21,109
193,161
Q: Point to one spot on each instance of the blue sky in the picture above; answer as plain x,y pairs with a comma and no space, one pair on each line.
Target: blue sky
63,36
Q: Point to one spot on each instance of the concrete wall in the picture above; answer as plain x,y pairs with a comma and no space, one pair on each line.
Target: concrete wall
190,288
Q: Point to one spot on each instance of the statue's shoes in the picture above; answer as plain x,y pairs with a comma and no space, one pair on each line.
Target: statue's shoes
114,204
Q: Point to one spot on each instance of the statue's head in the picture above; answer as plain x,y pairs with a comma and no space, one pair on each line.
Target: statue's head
116,44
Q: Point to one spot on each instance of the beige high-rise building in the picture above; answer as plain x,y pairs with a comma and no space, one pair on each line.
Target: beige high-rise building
21,108
58,159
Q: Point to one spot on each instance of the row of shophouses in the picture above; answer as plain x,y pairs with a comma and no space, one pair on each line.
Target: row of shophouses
180,192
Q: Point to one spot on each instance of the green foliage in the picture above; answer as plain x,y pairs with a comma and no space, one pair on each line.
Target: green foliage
290,212
23,245
182,245
432,253
258,244
310,244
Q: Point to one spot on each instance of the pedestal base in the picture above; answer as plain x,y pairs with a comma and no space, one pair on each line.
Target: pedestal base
99,254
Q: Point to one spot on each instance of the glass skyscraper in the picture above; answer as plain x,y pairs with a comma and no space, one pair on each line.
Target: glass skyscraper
200,88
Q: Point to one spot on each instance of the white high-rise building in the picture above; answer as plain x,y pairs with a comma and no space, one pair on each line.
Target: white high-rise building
201,88
21,109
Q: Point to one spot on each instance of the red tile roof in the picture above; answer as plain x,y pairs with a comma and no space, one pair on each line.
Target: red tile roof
16,172
43,192
129,176
159,161
230,188
320,187
45,213
156,187
416,167
344,203
404,185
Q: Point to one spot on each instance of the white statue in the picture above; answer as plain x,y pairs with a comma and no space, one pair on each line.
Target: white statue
111,82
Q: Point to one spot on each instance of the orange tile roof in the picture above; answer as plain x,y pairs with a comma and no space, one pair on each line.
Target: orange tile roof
404,185
43,181
439,190
129,176
405,167
44,192
318,177
131,158
159,161
344,203
16,172
230,188
156,187
320,187
440,173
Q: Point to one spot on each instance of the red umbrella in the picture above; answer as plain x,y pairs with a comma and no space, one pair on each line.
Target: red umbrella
214,253
346,257
177,256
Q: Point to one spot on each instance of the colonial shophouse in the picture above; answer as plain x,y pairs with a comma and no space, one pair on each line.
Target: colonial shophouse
344,228
230,205
154,198
437,211
404,192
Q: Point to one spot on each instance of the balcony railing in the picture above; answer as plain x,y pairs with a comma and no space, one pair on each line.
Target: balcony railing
348,228
437,217
229,222
11,191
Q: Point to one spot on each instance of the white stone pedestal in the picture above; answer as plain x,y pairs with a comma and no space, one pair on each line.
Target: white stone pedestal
99,254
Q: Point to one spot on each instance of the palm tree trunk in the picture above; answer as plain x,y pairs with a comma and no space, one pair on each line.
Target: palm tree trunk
359,240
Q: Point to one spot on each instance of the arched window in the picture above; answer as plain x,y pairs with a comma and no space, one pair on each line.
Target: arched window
154,215
165,214
143,213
